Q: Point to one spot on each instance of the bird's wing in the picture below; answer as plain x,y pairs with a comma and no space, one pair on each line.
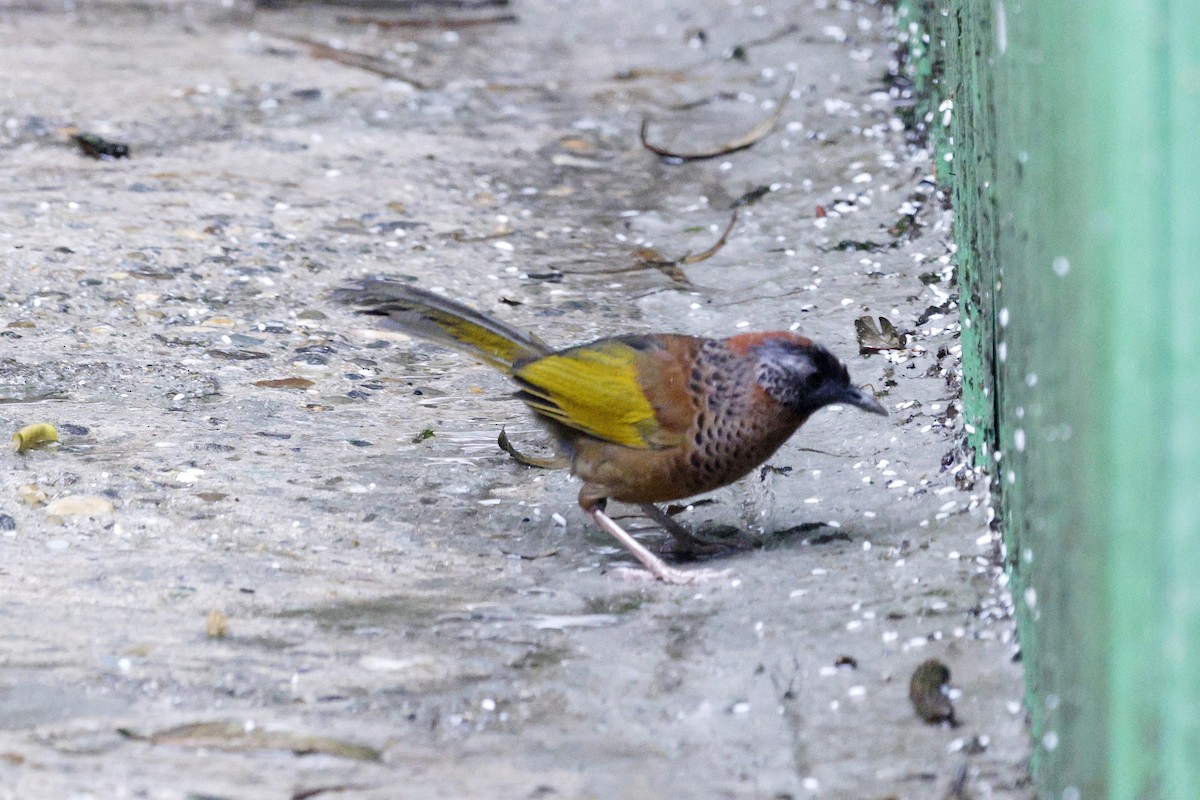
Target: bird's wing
631,391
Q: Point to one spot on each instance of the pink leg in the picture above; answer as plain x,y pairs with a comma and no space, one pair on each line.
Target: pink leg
658,568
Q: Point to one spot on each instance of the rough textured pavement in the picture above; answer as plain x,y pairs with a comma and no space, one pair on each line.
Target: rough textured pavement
406,611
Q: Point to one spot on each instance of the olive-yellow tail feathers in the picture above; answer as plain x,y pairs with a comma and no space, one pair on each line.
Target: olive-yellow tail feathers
426,315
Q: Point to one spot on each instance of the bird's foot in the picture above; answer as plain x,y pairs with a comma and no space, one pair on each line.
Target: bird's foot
656,568
687,542
672,575
728,540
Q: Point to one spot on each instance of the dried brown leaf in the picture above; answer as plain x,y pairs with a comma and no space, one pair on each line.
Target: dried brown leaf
285,383
748,139
873,337
241,737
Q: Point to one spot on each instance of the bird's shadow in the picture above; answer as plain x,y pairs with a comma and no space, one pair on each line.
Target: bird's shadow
718,541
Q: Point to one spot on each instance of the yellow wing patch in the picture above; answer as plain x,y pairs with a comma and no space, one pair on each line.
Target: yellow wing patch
595,389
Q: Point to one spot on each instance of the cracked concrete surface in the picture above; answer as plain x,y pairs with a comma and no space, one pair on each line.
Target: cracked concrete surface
423,595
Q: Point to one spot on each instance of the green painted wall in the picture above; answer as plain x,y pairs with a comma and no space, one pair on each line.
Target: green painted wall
1074,146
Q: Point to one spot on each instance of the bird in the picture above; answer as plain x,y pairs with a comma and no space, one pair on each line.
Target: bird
639,418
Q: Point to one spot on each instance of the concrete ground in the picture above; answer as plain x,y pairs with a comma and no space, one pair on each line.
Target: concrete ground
333,583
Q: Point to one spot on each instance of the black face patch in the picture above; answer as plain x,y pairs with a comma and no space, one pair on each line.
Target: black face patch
802,377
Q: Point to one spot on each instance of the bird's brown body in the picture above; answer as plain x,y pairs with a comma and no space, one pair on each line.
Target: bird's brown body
704,394
640,419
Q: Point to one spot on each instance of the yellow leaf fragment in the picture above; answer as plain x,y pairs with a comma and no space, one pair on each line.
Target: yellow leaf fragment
216,624
35,435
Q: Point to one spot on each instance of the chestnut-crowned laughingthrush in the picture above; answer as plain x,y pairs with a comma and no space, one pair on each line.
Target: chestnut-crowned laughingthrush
642,418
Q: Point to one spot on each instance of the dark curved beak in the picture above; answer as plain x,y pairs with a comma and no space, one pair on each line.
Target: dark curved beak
864,399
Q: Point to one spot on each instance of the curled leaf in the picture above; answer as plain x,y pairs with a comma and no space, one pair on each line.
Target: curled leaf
652,259
35,435
874,337
356,60
927,692
712,251
748,139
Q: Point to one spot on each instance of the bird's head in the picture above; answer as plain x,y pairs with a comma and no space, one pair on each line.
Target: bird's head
804,376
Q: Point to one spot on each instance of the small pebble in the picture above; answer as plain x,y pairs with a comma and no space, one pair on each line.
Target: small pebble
216,625
80,505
